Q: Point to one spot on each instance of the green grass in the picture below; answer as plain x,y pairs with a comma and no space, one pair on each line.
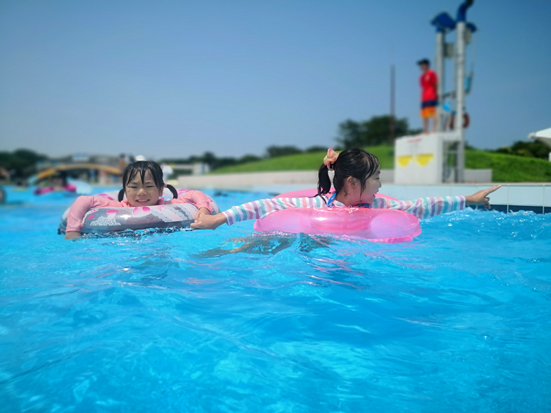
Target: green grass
303,162
506,168
509,168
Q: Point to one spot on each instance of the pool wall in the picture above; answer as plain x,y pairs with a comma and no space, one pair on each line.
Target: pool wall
511,197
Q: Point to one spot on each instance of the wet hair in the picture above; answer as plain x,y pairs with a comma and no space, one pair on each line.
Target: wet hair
356,163
141,167
61,175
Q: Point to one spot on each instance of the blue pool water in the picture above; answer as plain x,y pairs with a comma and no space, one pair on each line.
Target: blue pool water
225,321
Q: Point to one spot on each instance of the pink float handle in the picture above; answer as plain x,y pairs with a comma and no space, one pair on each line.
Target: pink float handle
378,225
70,188
48,189
43,190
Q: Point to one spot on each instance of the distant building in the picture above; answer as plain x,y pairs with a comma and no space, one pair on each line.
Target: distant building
103,169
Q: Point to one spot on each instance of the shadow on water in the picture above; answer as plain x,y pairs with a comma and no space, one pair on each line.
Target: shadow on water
267,244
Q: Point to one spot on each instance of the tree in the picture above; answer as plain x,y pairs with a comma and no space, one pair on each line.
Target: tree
274,151
535,149
21,162
315,149
249,158
350,134
210,159
374,131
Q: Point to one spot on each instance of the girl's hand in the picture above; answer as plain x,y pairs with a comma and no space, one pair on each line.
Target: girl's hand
202,211
208,221
481,197
72,235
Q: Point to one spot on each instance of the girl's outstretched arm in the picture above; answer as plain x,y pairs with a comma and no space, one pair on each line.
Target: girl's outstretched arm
254,210
202,211
481,197
208,221
423,207
432,206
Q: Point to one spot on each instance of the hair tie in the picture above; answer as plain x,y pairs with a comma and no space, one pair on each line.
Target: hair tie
330,159
331,174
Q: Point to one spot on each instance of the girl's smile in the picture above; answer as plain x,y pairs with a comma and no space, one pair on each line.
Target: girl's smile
352,193
144,193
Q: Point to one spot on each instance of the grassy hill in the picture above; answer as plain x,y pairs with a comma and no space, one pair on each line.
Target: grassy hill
304,161
506,168
509,168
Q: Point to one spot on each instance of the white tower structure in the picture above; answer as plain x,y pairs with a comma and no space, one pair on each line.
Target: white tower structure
461,33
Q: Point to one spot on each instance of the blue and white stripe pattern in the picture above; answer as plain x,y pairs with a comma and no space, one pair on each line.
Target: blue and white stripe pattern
421,208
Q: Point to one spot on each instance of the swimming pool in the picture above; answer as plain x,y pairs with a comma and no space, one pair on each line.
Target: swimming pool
457,320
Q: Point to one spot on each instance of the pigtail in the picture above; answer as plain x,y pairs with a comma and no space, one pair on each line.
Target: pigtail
121,195
173,191
324,183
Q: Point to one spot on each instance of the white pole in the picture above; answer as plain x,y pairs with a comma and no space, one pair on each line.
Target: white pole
460,98
439,66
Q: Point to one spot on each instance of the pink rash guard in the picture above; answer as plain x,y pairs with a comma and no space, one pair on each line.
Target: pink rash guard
83,204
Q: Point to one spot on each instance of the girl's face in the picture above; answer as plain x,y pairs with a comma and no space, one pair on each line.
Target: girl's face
353,190
144,193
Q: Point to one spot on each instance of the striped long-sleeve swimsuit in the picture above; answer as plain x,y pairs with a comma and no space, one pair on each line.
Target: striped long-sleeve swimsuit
421,208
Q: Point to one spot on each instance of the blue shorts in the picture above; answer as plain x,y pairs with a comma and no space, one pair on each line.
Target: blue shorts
429,104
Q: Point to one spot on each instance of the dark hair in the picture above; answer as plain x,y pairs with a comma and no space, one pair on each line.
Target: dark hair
61,175
356,163
141,167
424,62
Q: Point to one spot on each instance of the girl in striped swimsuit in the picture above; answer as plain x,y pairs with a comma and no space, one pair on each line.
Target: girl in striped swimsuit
354,173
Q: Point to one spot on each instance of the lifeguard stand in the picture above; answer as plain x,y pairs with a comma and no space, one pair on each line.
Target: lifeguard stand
440,157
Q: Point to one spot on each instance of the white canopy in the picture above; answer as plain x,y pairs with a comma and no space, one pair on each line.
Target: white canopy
542,136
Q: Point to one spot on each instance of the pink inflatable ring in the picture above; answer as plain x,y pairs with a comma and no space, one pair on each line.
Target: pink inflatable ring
378,225
47,189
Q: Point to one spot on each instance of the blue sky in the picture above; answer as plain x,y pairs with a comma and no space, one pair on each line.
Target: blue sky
178,78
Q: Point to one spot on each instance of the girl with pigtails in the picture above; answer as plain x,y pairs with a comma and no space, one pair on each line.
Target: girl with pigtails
354,175
143,186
